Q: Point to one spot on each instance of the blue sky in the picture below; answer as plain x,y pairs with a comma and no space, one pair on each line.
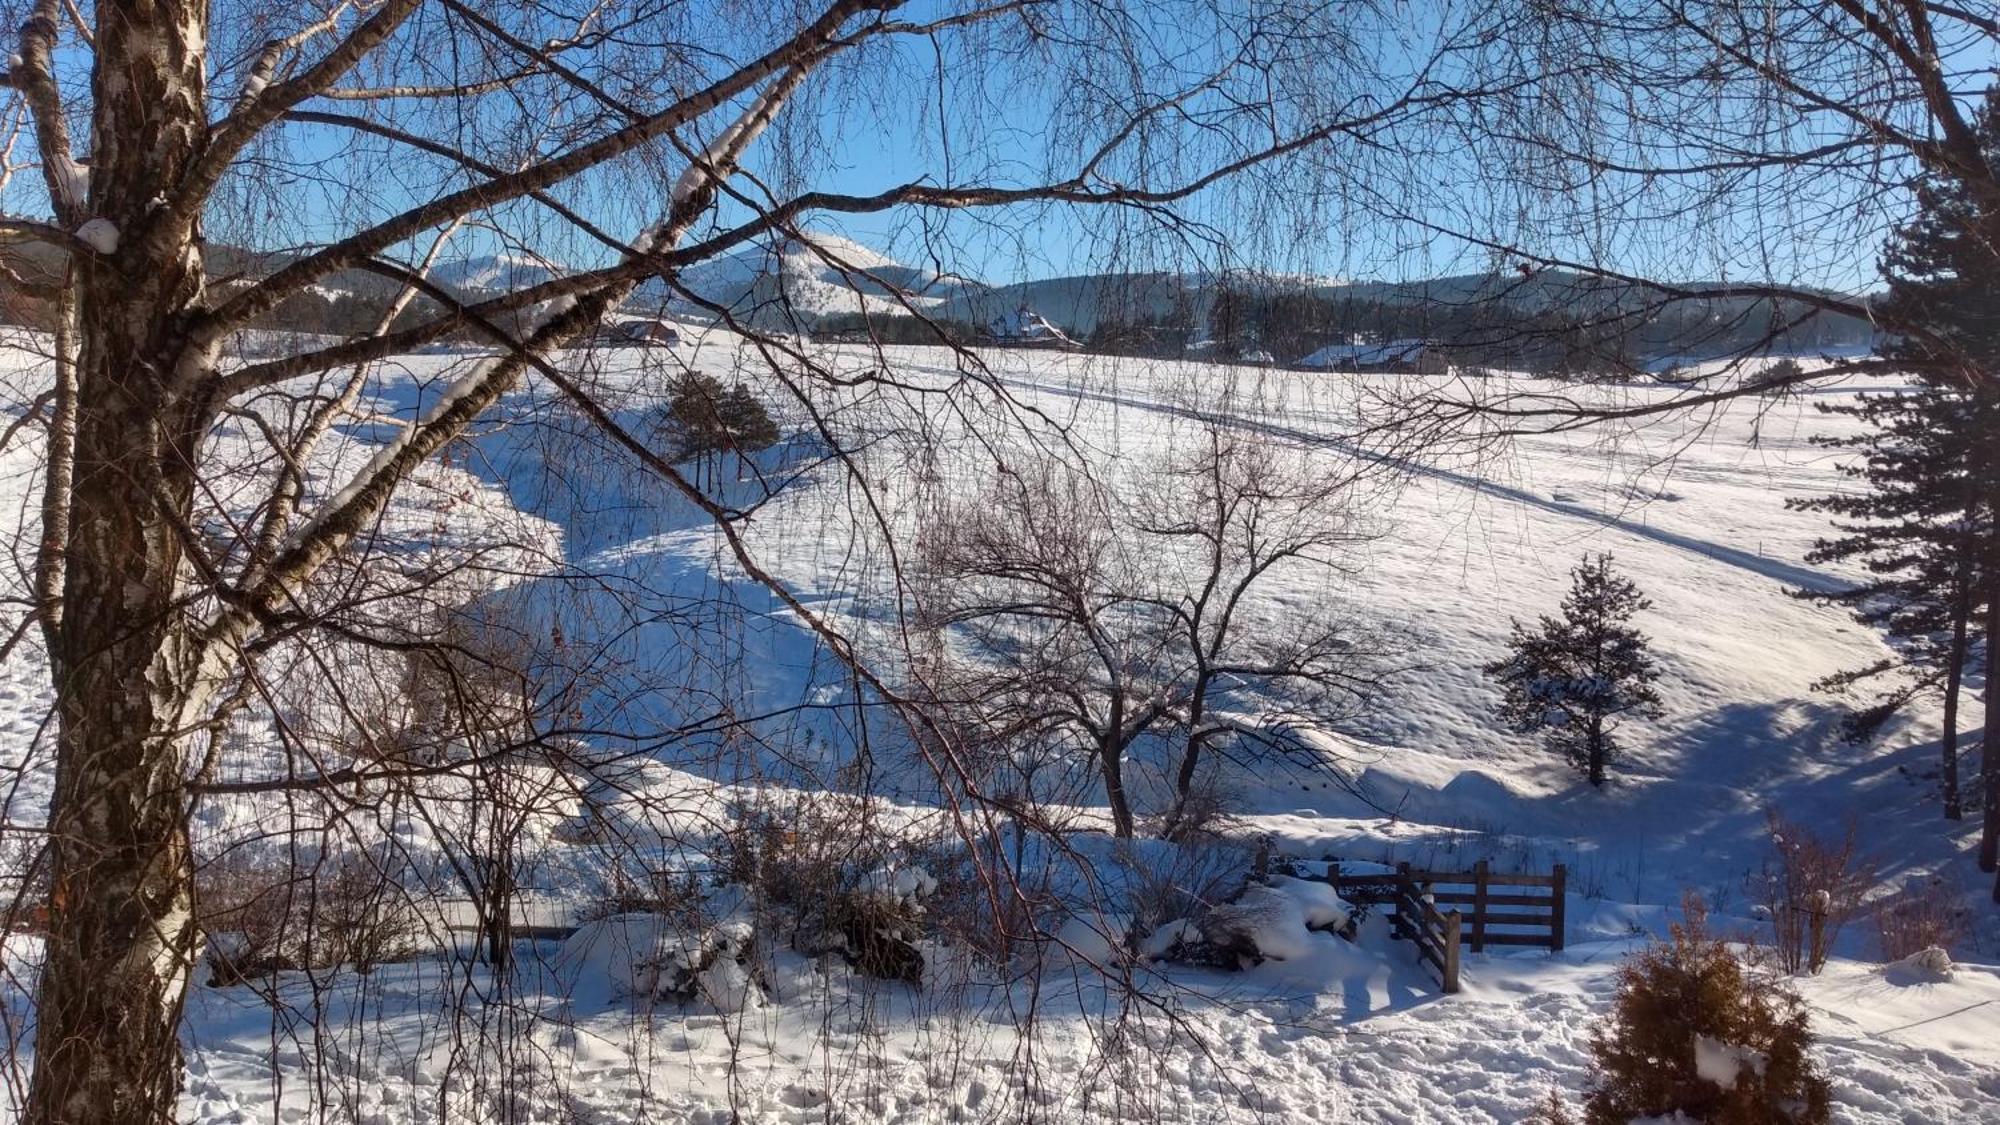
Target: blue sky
861,129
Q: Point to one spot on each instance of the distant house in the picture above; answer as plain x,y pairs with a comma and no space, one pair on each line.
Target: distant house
1421,357
655,333
1026,328
1212,349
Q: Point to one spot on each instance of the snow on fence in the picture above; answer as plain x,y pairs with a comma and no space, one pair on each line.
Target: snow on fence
1528,910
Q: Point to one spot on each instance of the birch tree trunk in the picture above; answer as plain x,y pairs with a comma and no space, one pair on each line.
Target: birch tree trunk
121,936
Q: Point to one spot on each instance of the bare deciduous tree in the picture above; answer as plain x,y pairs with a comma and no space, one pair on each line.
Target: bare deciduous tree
1245,518
158,589
1106,613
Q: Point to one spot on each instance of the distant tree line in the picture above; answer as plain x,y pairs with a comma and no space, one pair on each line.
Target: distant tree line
895,328
1593,329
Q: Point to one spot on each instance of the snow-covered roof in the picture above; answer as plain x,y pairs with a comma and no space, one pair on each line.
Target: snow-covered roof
1025,324
1341,355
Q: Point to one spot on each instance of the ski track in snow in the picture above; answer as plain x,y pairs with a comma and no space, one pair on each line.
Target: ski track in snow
1801,577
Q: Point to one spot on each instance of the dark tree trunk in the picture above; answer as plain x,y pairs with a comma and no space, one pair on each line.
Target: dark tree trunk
1183,790
499,923
1190,762
1989,738
1954,682
1989,748
1596,751
122,935
1112,756
1111,763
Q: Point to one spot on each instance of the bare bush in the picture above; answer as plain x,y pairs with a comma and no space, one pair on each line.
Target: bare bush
1202,810
1185,881
246,910
988,901
1926,914
826,880
642,892
270,915
1810,888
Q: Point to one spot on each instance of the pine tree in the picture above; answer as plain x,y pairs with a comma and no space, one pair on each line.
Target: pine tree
1943,272
1571,678
747,423
1917,528
702,418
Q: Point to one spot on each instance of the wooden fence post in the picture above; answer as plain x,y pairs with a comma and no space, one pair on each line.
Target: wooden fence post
1406,900
1479,907
1451,925
1558,907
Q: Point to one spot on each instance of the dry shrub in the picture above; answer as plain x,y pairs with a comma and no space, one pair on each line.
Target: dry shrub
1680,992
265,916
1551,1110
994,921
987,903
1180,886
814,867
1810,889
1185,881
245,908
1204,812
361,916
1924,914
798,855
643,891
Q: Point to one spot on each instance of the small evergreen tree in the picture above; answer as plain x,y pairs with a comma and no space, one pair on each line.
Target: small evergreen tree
702,419
1780,378
1695,1032
747,423
1571,678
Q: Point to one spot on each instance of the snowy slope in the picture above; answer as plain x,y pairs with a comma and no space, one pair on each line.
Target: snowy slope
495,272
795,281
1465,539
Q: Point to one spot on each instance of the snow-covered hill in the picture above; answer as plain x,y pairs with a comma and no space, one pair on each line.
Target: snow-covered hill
797,281
495,272
1345,1031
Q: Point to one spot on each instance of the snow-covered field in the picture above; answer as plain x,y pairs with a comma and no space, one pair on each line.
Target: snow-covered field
1461,538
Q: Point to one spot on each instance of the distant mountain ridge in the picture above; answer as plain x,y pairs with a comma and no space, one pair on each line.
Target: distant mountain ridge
490,273
794,282
823,281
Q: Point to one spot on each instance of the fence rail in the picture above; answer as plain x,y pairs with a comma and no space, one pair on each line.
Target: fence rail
1477,914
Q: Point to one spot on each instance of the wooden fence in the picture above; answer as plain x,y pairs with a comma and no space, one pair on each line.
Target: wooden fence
1439,909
